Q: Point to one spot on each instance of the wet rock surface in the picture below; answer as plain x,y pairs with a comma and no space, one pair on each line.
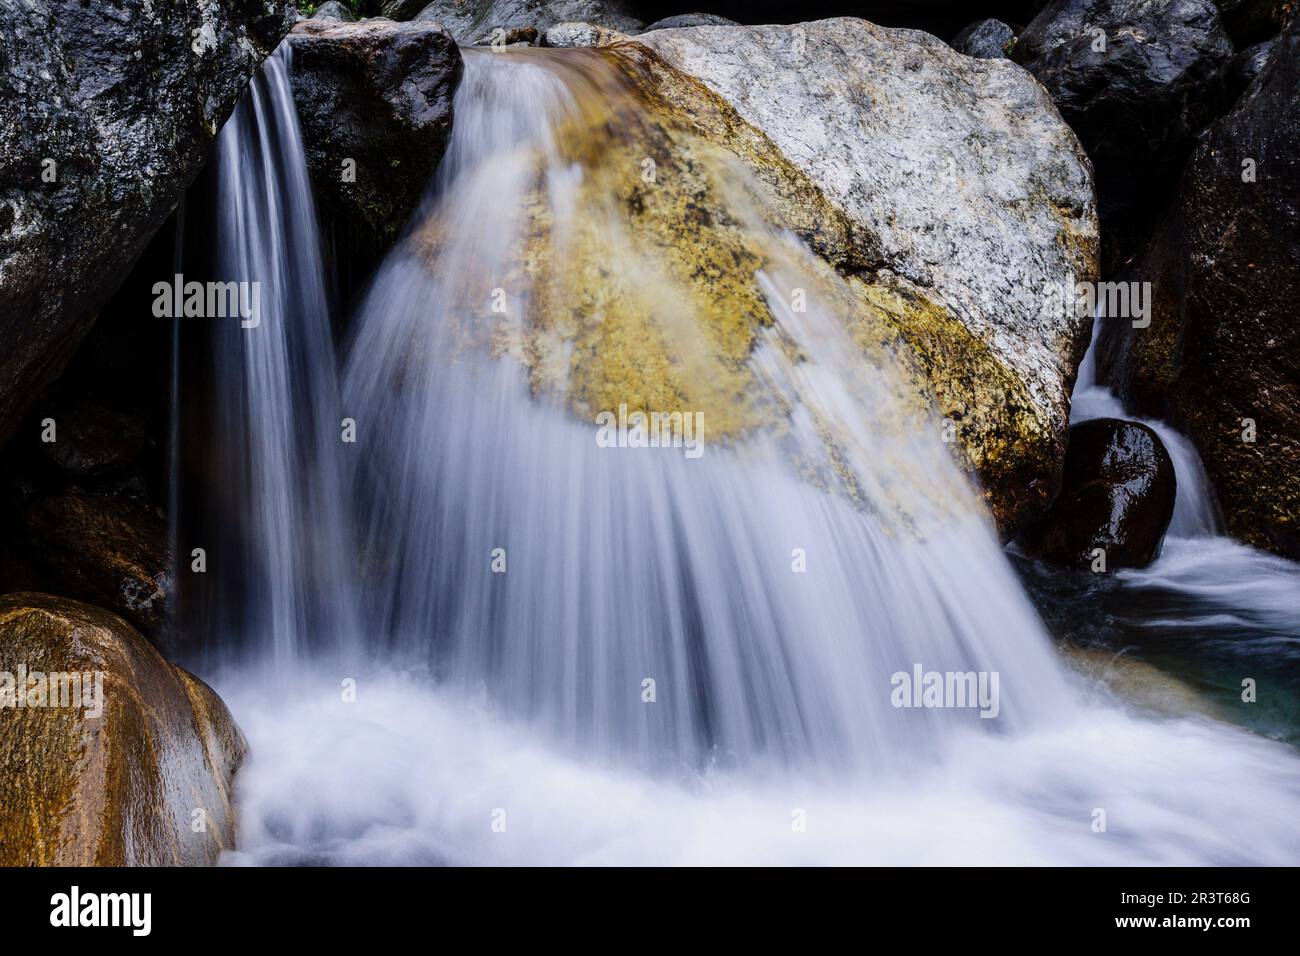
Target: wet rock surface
121,774
108,111
375,103
1221,358
1137,81
1117,495
108,550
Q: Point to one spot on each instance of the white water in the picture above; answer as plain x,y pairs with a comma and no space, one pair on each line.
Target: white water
281,468
1232,584
522,692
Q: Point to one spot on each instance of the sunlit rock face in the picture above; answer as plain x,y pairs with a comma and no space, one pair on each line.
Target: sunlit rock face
130,766
946,205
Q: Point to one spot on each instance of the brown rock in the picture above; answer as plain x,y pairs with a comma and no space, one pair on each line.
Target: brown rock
123,788
109,551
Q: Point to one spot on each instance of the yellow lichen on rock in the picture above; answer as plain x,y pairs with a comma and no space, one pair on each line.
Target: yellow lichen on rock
640,283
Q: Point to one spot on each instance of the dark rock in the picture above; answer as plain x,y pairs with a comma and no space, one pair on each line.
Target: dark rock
378,93
485,22
1137,79
1117,494
94,441
109,551
1222,352
1247,65
124,100
1250,21
402,9
986,39
121,787
333,10
690,20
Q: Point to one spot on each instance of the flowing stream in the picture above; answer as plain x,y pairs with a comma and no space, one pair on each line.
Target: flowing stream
475,635
1209,609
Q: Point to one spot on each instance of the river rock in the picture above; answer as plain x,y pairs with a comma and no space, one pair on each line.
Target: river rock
691,20
402,9
986,39
486,22
967,204
107,550
378,93
580,35
333,10
146,782
1221,358
108,111
1117,495
1137,79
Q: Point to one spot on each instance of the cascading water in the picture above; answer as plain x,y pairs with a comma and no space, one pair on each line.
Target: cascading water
287,559
1194,509
522,583
1209,607
626,565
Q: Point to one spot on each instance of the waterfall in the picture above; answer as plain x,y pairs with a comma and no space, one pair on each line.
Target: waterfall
1231,583
1195,514
590,654
626,565
282,559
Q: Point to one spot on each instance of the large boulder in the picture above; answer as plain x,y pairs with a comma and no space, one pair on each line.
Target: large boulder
1117,495
377,93
967,204
131,765
1221,358
1137,79
108,110
483,22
